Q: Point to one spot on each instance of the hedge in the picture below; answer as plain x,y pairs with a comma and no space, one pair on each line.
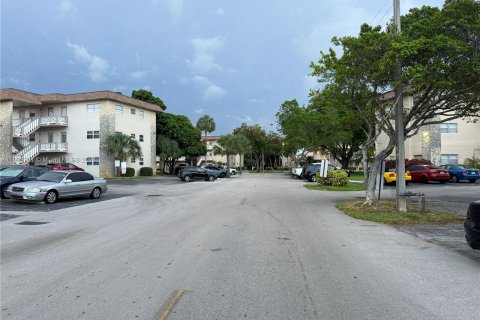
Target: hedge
146,171
130,172
334,178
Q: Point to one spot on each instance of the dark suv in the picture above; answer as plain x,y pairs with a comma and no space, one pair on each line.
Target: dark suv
189,173
310,171
221,172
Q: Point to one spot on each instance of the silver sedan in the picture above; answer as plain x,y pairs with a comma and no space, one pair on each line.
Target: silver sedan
52,185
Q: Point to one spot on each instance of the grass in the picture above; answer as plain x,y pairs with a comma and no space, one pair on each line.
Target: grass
356,176
385,212
347,187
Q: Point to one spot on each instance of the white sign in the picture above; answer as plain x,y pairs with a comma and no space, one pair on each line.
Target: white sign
124,167
117,163
324,168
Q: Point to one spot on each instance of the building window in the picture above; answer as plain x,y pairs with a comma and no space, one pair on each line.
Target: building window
449,127
93,161
93,134
449,159
50,112
50,137
141,161
132,111
133,160
93,107
132,135
63,137
32,114
141,114
32,137
63,111
118,109
140,137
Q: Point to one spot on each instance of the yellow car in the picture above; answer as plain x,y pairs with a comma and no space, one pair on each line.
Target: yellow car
390,177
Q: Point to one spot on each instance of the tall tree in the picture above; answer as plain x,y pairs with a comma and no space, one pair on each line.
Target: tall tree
206,124
230,144
123,146
440,63
257,138
147,96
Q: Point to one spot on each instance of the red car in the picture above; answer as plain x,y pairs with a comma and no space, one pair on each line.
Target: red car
425,173
63,166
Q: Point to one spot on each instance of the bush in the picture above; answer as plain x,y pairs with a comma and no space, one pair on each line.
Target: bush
334,178
146,171
391,164
130,172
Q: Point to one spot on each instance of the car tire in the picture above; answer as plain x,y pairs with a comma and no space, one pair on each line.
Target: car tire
187,178
234,172
50,197
423,179
472,180
3,194
211,178
454,179
96,192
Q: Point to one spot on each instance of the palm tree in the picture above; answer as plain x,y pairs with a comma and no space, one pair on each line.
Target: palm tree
231,144
123,146
206,124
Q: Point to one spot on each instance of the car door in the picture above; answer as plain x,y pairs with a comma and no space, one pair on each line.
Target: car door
76,187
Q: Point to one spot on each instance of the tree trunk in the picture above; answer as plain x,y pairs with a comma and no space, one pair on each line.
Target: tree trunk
374,169
365,164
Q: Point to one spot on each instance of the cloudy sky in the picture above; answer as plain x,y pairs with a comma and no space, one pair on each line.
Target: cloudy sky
235,60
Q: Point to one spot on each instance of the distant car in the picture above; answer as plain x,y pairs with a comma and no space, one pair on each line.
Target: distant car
53,185
14,174
63,166
458,173
222,172
390,177
310,172
190,173
297,172
179,167
425,173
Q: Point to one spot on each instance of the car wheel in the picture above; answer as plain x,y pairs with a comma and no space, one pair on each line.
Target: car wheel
454,179
96,192
424,179
3,194
234,172
472,180
211,178
50,197
187,178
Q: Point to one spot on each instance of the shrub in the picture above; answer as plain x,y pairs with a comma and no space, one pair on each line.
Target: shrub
130,172
146,171
334,178
391,164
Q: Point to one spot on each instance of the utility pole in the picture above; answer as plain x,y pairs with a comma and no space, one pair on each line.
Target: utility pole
399,121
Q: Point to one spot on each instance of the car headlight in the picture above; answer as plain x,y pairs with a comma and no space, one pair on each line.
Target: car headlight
10,188
33,189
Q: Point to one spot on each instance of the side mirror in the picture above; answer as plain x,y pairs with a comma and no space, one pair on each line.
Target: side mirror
68,181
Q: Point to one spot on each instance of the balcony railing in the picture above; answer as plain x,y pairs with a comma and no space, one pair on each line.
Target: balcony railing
54,121
23,129
53,147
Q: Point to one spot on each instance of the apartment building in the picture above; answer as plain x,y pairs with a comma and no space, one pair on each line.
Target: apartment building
445,143
211,157
43,128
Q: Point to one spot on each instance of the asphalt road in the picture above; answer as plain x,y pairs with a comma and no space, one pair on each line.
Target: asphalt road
255,246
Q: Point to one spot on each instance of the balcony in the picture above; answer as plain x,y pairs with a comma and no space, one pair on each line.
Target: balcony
27,127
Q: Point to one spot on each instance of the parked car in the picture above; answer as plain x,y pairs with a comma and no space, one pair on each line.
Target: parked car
53,185
14,174
297,172
390,177
425,173
310,172
221,171
63,166
458,173
472,225
189,173
179,167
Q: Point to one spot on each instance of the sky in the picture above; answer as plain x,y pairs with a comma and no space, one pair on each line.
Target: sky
234,60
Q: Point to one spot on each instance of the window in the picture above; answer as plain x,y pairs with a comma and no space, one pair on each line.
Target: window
93,161
449,127
93,134
132,111
63,111
141,161
141,114
32,137
93,107
118,109
449,159
80,176
140,137
63,138
50,112
50,137
132,135
32,114
133,160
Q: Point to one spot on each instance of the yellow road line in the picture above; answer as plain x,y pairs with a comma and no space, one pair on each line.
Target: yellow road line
171,303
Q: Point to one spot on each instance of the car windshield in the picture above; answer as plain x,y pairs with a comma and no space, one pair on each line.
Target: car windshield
52,176
11,172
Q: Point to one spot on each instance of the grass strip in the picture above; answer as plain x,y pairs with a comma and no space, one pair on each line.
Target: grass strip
385,212
347,187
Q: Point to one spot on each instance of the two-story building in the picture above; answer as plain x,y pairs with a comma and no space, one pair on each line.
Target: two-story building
44,128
